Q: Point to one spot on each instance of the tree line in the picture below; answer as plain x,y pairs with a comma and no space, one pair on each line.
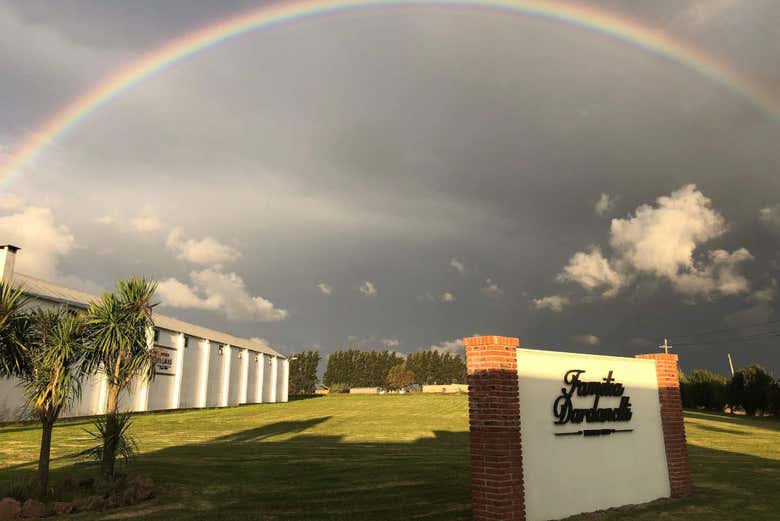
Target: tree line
52,351
354,368
752,389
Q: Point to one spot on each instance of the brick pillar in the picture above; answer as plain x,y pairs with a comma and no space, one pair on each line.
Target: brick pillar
672,421
494,420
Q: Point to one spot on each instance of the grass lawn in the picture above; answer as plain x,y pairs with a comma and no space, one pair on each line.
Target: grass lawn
371,457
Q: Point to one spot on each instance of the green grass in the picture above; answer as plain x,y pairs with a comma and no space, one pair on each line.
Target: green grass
371,457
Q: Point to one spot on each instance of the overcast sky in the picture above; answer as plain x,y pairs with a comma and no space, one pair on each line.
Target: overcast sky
403,177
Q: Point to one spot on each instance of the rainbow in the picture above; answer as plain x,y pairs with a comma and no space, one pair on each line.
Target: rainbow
610,24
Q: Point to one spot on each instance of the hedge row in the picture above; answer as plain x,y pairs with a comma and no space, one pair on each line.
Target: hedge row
752,389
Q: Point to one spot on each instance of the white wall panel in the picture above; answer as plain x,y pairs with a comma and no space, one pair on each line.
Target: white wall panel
569,474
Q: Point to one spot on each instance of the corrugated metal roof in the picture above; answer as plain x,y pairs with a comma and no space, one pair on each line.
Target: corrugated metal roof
54,292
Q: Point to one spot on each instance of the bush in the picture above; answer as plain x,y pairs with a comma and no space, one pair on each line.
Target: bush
750,388
338,388
125,443
703,389
21,490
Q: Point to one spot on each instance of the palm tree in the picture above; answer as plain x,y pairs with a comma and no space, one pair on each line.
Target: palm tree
120,324
12,324
55,344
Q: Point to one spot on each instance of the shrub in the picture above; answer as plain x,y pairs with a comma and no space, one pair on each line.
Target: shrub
21,490
750,388
125,445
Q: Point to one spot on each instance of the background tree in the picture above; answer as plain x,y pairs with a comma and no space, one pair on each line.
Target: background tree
399,377
433,367
749,388
55,346
353,368
705,389
303,372
120,325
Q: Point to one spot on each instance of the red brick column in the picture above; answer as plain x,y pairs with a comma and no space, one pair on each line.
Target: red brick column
672,421
494,420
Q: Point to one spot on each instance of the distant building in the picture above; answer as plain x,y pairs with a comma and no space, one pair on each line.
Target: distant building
196,366
446,388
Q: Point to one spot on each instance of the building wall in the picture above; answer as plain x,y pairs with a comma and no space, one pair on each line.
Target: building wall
254,364
236,381
268,387
194,357
11,398
448,388
162,388
215,375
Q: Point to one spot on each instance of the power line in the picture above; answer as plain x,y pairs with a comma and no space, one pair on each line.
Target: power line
750,338
727,329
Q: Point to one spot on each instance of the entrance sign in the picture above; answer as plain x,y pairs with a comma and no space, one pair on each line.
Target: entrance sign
609,428
564,410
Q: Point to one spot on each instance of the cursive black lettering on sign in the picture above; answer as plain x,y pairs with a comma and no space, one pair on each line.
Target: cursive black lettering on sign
565,412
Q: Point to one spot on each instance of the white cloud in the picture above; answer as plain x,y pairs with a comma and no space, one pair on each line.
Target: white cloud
325,288
491,289
206,251
592,271
105,219
661,241
146,222
604,205
453,347
223,292
10,202
368,288
179,295
554,303
718,275
390,342
447,297
770,216
458,265
43,242
586,340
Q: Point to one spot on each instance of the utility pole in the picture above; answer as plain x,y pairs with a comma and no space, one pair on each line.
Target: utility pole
731,365
666,347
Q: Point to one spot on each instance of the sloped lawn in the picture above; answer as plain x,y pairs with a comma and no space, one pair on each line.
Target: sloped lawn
373,458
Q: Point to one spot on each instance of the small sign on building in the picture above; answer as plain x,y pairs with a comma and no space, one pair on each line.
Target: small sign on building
163,360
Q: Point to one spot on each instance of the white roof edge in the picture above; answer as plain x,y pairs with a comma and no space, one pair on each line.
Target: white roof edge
51,291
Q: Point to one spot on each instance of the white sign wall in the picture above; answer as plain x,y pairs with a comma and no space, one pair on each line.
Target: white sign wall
568,472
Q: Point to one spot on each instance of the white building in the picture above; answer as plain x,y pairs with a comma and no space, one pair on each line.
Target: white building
197,367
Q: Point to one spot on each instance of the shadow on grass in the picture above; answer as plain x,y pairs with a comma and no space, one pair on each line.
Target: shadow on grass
712,428
766,422
277,471
299,397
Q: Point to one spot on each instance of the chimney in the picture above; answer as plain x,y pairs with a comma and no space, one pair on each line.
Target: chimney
7,261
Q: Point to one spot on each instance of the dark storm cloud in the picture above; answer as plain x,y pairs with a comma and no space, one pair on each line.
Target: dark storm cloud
378,146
